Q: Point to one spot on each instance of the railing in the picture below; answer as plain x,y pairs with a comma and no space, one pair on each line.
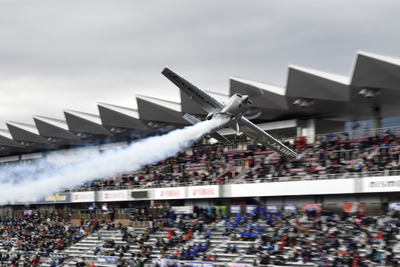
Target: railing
363,133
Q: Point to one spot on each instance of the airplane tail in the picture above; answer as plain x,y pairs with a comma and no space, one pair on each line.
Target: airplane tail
192,120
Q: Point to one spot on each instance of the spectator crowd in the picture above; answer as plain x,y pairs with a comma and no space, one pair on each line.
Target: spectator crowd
280,238
24,240
322,239
327,157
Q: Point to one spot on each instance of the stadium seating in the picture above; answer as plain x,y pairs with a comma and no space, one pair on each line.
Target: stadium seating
328,159
284,240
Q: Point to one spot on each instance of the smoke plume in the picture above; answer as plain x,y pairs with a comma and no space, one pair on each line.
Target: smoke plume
41,178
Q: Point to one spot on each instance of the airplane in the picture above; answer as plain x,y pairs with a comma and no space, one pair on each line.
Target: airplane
233,112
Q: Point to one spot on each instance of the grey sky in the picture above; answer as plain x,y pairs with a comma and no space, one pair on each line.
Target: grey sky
57,55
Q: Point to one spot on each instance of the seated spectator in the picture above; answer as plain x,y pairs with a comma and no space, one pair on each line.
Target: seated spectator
234,249
207,234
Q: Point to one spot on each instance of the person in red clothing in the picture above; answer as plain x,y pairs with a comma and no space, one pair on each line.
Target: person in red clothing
283,240
177,254
35,261
186,238
379,235
280,248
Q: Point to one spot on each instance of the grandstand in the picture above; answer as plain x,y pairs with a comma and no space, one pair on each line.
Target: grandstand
212,204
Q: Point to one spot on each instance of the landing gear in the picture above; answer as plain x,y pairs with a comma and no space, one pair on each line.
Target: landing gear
238,135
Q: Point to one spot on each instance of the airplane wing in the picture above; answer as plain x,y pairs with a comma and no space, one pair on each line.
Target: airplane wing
254,132
209,103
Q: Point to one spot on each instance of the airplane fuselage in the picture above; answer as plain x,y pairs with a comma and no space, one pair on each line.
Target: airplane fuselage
236,106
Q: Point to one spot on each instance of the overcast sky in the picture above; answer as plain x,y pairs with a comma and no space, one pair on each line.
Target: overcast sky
57,55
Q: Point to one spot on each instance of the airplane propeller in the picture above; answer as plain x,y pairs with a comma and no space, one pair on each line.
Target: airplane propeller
253,113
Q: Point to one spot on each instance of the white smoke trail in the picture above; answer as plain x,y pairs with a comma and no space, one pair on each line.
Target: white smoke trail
41,179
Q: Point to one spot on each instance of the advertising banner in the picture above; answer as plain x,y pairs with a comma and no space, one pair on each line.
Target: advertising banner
58,198
381,184
312,207
353,207
221,210
207,191
290,207
170,193
182,209
207,209
82,196
117,195
272,208
250,208
27,212
235,209
394,205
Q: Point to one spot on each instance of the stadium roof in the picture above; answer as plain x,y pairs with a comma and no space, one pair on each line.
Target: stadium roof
373,89
158,110
120,118
55,130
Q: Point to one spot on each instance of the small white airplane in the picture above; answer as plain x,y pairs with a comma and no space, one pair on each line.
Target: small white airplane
232,112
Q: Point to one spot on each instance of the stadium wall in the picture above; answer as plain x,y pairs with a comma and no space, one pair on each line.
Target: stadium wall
372,191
